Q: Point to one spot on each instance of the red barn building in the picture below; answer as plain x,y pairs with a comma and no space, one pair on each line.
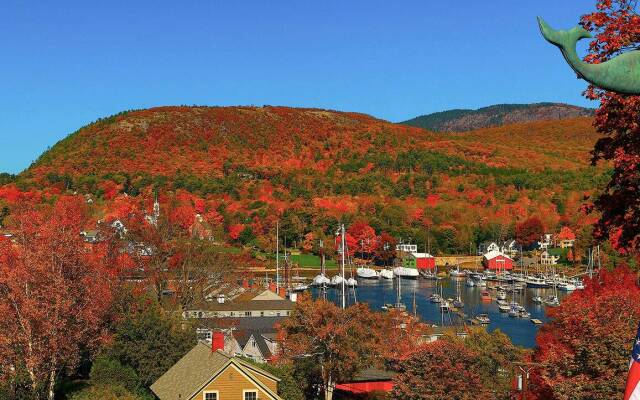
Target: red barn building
496,260
421,261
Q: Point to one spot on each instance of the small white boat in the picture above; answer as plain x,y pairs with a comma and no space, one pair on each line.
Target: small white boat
337,280
501,295
469,283
537,299
537,282
566,287
444,305
552,301
352,282
483,319
320,280
386,274
505,308
456,273
300,287
435,298
367,273
404,272
480,283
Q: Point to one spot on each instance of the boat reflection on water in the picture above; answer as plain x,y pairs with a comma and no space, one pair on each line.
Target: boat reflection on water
383,292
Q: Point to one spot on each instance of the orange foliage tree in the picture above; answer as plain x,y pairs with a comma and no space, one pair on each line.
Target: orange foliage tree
340,342
585,348
53,294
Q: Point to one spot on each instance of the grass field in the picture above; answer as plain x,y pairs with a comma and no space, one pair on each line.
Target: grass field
310,260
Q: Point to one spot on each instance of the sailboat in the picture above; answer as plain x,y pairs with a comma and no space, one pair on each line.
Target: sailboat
321,279
458,303
398,305
367,273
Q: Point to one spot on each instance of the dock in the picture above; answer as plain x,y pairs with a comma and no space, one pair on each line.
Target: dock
536,321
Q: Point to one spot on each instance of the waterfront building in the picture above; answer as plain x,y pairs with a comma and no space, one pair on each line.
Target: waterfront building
496,260
421,261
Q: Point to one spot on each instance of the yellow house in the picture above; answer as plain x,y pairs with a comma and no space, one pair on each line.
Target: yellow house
203,374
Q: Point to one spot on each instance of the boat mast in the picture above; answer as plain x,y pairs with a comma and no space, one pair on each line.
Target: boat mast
323,289
277,258
343,274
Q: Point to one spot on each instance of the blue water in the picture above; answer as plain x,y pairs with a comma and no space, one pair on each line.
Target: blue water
378,292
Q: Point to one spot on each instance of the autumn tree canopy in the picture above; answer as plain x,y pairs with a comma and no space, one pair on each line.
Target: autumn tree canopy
340,342
616,29
53,294
585,348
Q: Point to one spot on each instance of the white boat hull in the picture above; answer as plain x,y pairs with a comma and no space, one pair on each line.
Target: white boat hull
320,280
403,272
367,273
386,274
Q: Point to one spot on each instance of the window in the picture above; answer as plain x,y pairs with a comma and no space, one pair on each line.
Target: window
210,395
250,395
262,313
247,313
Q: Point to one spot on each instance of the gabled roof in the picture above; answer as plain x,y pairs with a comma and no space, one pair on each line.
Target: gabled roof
422,255
198,368
267,295
495,253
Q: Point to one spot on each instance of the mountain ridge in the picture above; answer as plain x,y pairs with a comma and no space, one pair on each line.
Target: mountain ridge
310,168
461,120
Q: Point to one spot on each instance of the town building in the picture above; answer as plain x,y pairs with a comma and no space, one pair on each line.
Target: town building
547,258
486,247
253,338
265,304
510,248
496,260
420,261
407,248
546,241
208,373
565,238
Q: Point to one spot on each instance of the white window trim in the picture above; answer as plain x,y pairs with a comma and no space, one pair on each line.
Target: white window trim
216,392
245,391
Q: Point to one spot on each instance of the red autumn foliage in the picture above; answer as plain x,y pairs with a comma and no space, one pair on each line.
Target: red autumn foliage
441,370
616,29
53,293
529,231
235,231
585,348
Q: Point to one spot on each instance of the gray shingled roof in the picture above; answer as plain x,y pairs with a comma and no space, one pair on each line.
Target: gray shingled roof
196,369
189,373
251,305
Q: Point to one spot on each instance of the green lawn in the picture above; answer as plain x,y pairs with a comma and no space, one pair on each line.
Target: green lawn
310,260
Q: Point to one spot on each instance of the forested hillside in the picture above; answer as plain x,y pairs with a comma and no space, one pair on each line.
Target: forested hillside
243,168
497,115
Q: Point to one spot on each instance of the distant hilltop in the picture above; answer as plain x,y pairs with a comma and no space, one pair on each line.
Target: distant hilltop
460,120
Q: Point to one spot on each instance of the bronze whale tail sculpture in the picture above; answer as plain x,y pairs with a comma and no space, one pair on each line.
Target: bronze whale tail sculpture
620,74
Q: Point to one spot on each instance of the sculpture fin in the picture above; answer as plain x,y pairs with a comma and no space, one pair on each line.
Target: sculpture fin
564,39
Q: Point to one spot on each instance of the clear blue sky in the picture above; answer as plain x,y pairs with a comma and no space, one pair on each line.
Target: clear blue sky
64,64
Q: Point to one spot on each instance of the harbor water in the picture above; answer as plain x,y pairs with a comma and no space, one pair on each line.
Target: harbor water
376,293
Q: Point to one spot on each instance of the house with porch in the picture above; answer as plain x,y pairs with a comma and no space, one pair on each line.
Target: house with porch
208,373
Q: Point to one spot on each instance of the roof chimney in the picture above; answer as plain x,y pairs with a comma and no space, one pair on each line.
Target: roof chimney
293,296
221,298
217,341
